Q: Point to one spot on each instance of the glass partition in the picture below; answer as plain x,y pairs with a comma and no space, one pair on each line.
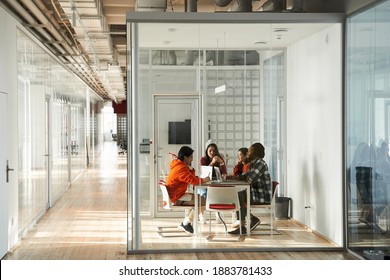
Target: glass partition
227,81
367,131
51,129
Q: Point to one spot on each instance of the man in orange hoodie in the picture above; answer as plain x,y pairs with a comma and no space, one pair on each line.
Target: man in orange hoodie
181,174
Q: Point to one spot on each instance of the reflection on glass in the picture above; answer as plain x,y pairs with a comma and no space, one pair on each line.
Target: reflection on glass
186,73
367,124
51,129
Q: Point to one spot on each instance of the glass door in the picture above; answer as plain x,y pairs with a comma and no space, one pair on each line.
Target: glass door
367,132
176,124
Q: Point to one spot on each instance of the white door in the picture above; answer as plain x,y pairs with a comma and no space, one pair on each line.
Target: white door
176,124
3,176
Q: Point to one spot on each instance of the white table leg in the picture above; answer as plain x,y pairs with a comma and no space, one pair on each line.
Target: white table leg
248,211
196,202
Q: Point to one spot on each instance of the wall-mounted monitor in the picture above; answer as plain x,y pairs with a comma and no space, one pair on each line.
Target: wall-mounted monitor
179,132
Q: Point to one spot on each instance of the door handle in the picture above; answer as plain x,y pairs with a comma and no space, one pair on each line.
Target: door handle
7,170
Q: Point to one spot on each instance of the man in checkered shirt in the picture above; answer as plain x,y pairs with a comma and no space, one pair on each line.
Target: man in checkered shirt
259,178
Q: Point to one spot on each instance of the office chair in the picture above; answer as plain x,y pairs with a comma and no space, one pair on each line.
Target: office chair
171,231
372,201
222,198
265,228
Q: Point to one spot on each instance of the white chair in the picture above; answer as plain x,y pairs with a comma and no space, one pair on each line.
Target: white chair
222,198
265,228
171,231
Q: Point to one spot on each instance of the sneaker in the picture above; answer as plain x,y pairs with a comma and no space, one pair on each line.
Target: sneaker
237,224
187,228
254,222
237,231
202,219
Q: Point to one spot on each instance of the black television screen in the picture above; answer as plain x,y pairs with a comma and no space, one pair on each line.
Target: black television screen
179,132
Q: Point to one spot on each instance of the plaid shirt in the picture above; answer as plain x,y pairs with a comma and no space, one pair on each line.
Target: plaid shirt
260,180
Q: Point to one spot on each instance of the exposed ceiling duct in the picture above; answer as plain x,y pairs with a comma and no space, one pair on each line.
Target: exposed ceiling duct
246,5
237,6
55,32
90,35
92,32
273,5
191,6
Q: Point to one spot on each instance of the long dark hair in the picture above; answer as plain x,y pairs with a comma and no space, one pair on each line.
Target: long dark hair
243,151
208,159
184,151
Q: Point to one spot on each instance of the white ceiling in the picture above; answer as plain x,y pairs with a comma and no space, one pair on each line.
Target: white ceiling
223,36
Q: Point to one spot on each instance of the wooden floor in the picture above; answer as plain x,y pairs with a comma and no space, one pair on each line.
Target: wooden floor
89,223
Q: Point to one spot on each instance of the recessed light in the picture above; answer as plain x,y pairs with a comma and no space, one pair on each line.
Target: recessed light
280,30
260,42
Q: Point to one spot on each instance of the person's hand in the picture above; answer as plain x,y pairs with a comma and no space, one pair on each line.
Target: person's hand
205,180
231,177
217,159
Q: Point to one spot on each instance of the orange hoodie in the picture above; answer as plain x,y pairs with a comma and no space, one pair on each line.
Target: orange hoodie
178,179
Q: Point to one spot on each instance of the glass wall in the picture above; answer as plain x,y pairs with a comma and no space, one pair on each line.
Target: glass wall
213,83
229,85
32,171
367,131
274,88
51,129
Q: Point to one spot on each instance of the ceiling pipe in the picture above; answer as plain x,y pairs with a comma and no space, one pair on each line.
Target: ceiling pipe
42,19
273,5
31,21
222,3
28,18
68,47
42,7
238,5
90,76
191,6
298,6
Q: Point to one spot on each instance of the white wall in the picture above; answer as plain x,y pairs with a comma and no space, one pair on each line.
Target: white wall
8,84
314,136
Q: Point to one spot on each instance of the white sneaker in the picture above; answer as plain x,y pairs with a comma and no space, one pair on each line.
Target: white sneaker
202,219
237,224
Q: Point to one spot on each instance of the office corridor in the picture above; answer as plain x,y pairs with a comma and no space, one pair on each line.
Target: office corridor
89,220
89,223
